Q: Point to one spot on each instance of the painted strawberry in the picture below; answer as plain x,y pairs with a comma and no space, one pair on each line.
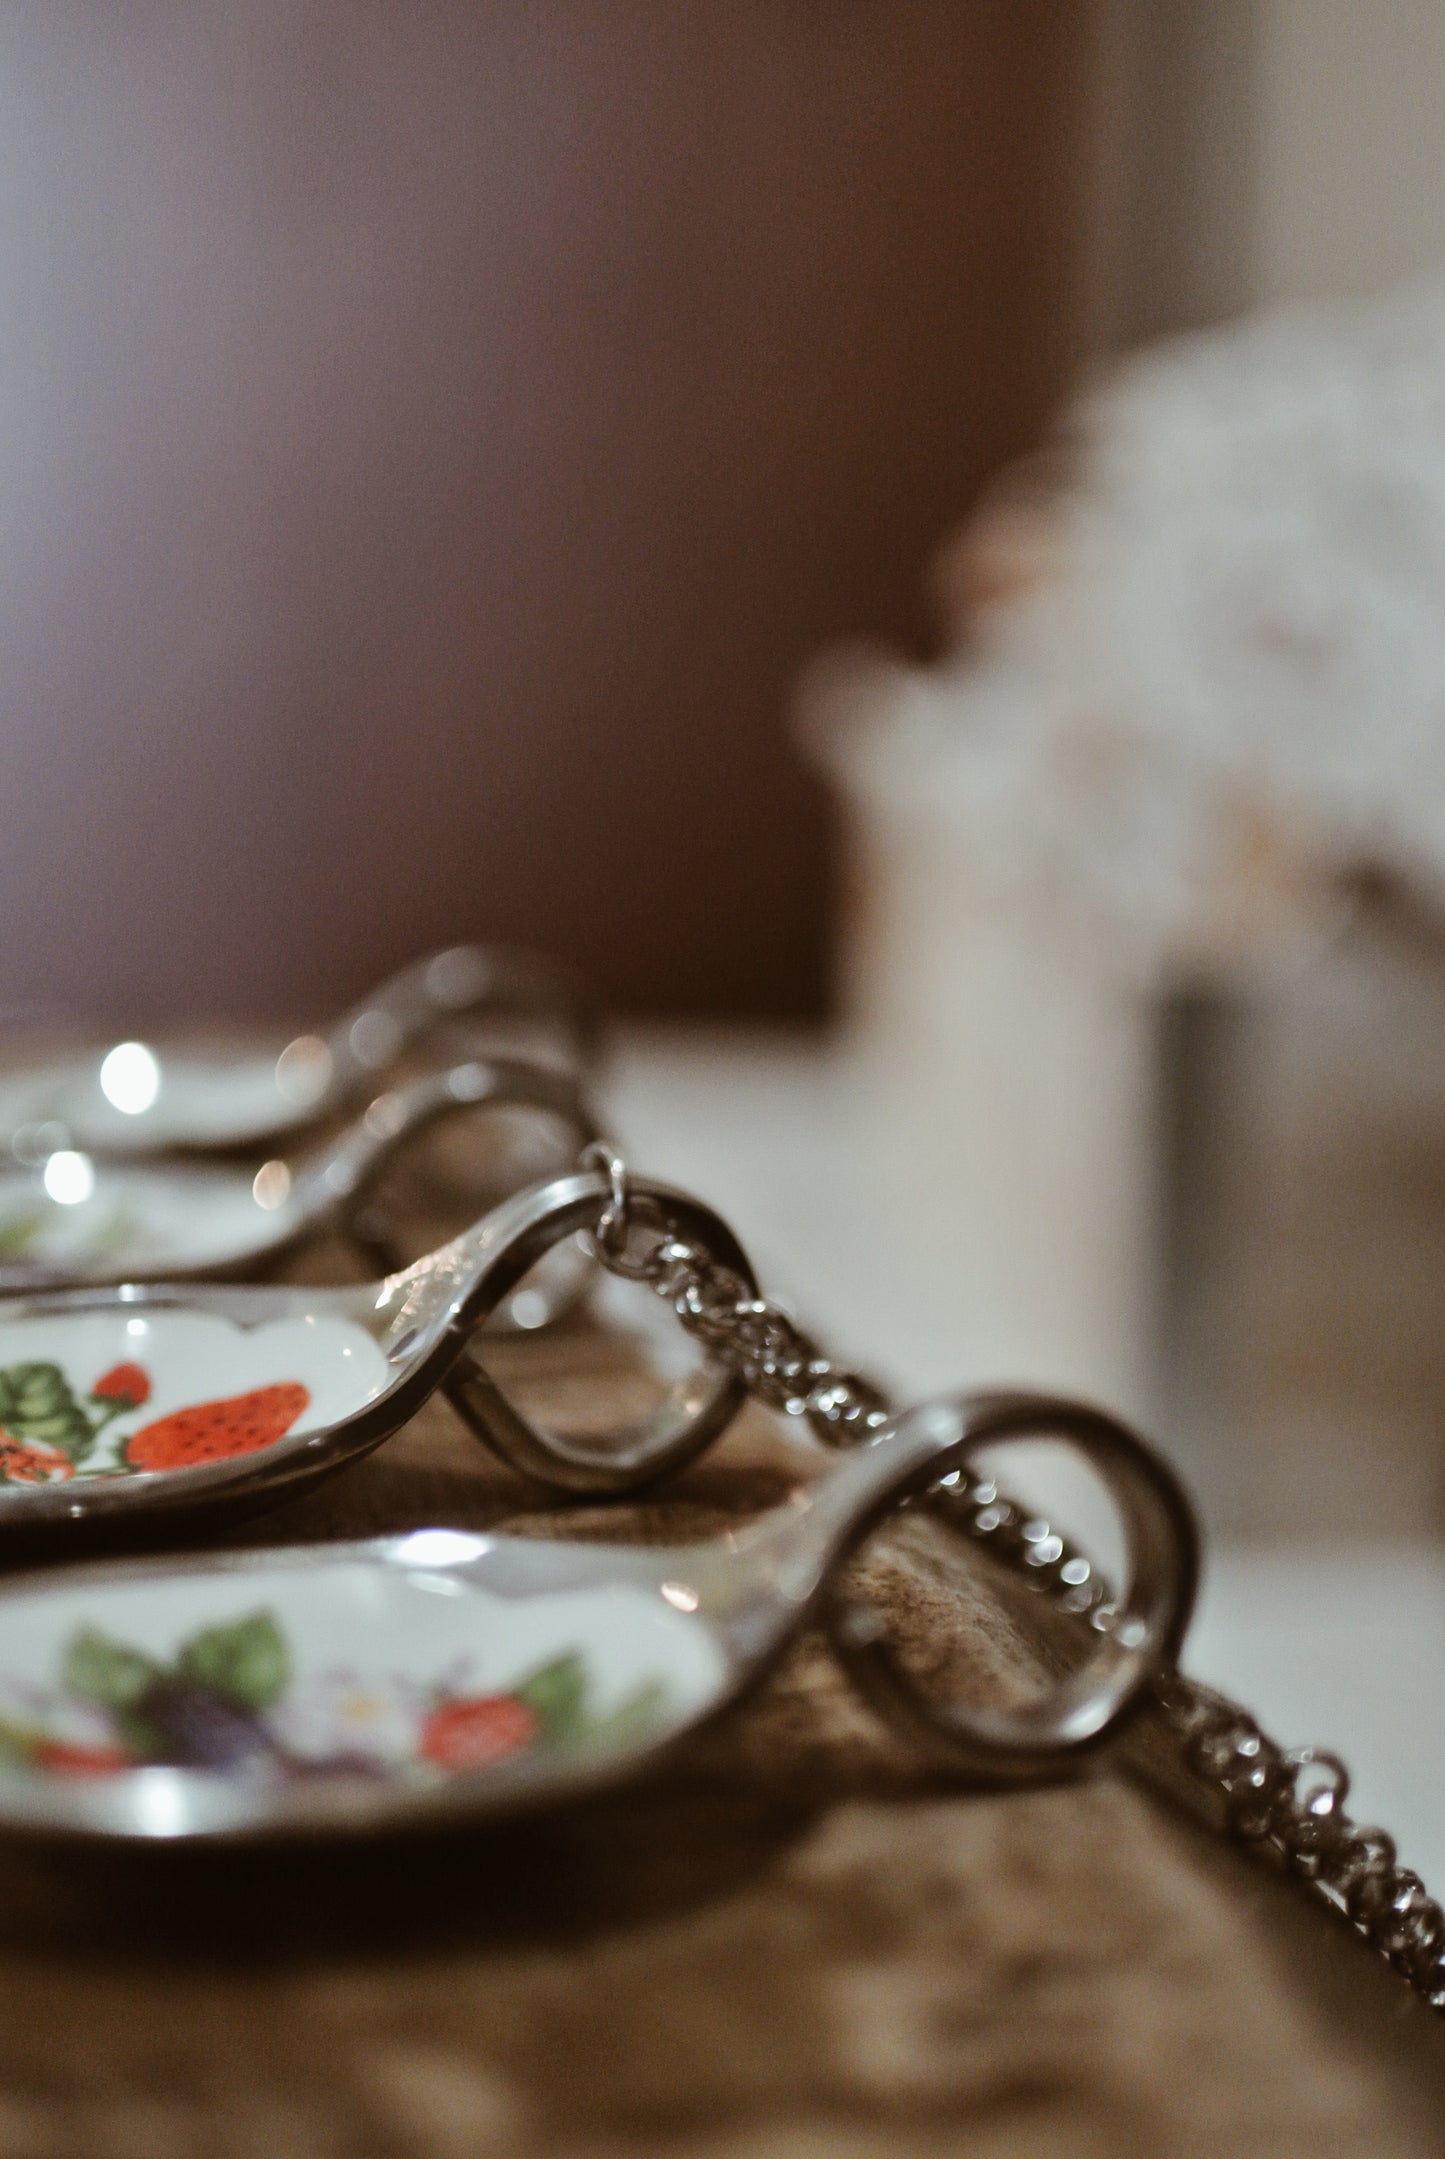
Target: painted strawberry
472,1734
127,1385
63,1759
32,1461
217,1431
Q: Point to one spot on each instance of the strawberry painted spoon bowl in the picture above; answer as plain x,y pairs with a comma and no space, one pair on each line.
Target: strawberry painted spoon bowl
136,1097
442,1676
121,1408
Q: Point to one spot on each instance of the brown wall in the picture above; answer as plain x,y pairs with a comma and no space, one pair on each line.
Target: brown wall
431,437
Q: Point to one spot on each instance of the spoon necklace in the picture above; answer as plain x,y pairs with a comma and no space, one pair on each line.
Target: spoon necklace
441,1675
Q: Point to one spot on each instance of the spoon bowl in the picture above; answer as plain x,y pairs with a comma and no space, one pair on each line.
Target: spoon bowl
77,1219
437,1676
137,1098
128,1405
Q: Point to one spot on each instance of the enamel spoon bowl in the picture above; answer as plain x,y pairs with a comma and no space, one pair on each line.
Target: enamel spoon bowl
138,1098
440,1675
121,1407
78,1219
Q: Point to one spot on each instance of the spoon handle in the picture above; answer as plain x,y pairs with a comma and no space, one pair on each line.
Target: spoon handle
789,1571
465,982
445,1299
333,1184
1137,1637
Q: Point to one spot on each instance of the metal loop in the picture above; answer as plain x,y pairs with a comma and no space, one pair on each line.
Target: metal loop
695,1410
1055,1734
1319,1784
481,1084
626,1210
613,1226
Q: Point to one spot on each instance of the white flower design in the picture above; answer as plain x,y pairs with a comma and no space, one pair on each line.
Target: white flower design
347,1713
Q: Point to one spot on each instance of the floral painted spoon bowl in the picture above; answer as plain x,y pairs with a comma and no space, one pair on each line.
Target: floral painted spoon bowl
138,1098
438,1676
77,1219
121,1407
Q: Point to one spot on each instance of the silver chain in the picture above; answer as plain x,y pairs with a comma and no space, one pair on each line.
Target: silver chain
756,1339
1285,1804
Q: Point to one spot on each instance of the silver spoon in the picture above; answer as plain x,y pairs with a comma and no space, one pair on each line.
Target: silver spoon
82,1219
442,1676
127,1406
137,1097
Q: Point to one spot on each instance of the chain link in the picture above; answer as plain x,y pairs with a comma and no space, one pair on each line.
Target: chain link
777,1362
1288,1805
1284,1804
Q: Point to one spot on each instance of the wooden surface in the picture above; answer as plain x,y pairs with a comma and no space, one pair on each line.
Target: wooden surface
795,1943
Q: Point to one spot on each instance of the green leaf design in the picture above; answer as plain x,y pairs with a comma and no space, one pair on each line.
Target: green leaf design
635,1717
113,1233
17,1231
247,1661
557,1693
36,1403
17,1744
100,1670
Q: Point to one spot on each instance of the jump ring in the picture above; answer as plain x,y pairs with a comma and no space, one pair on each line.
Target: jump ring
614,1224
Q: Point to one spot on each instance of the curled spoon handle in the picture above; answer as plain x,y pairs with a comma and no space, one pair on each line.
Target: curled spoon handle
342,1173
906,1458
464,982
430,1311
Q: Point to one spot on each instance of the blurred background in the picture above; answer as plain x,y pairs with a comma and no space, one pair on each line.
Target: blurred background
907,543
433,438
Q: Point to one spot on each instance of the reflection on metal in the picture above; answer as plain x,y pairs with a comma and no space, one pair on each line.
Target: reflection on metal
69,1178
271,1185
303,1070
130,1078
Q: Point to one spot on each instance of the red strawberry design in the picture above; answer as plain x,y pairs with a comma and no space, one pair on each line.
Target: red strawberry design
127,1385
217,1431
64,1760
474,1734
32,1461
